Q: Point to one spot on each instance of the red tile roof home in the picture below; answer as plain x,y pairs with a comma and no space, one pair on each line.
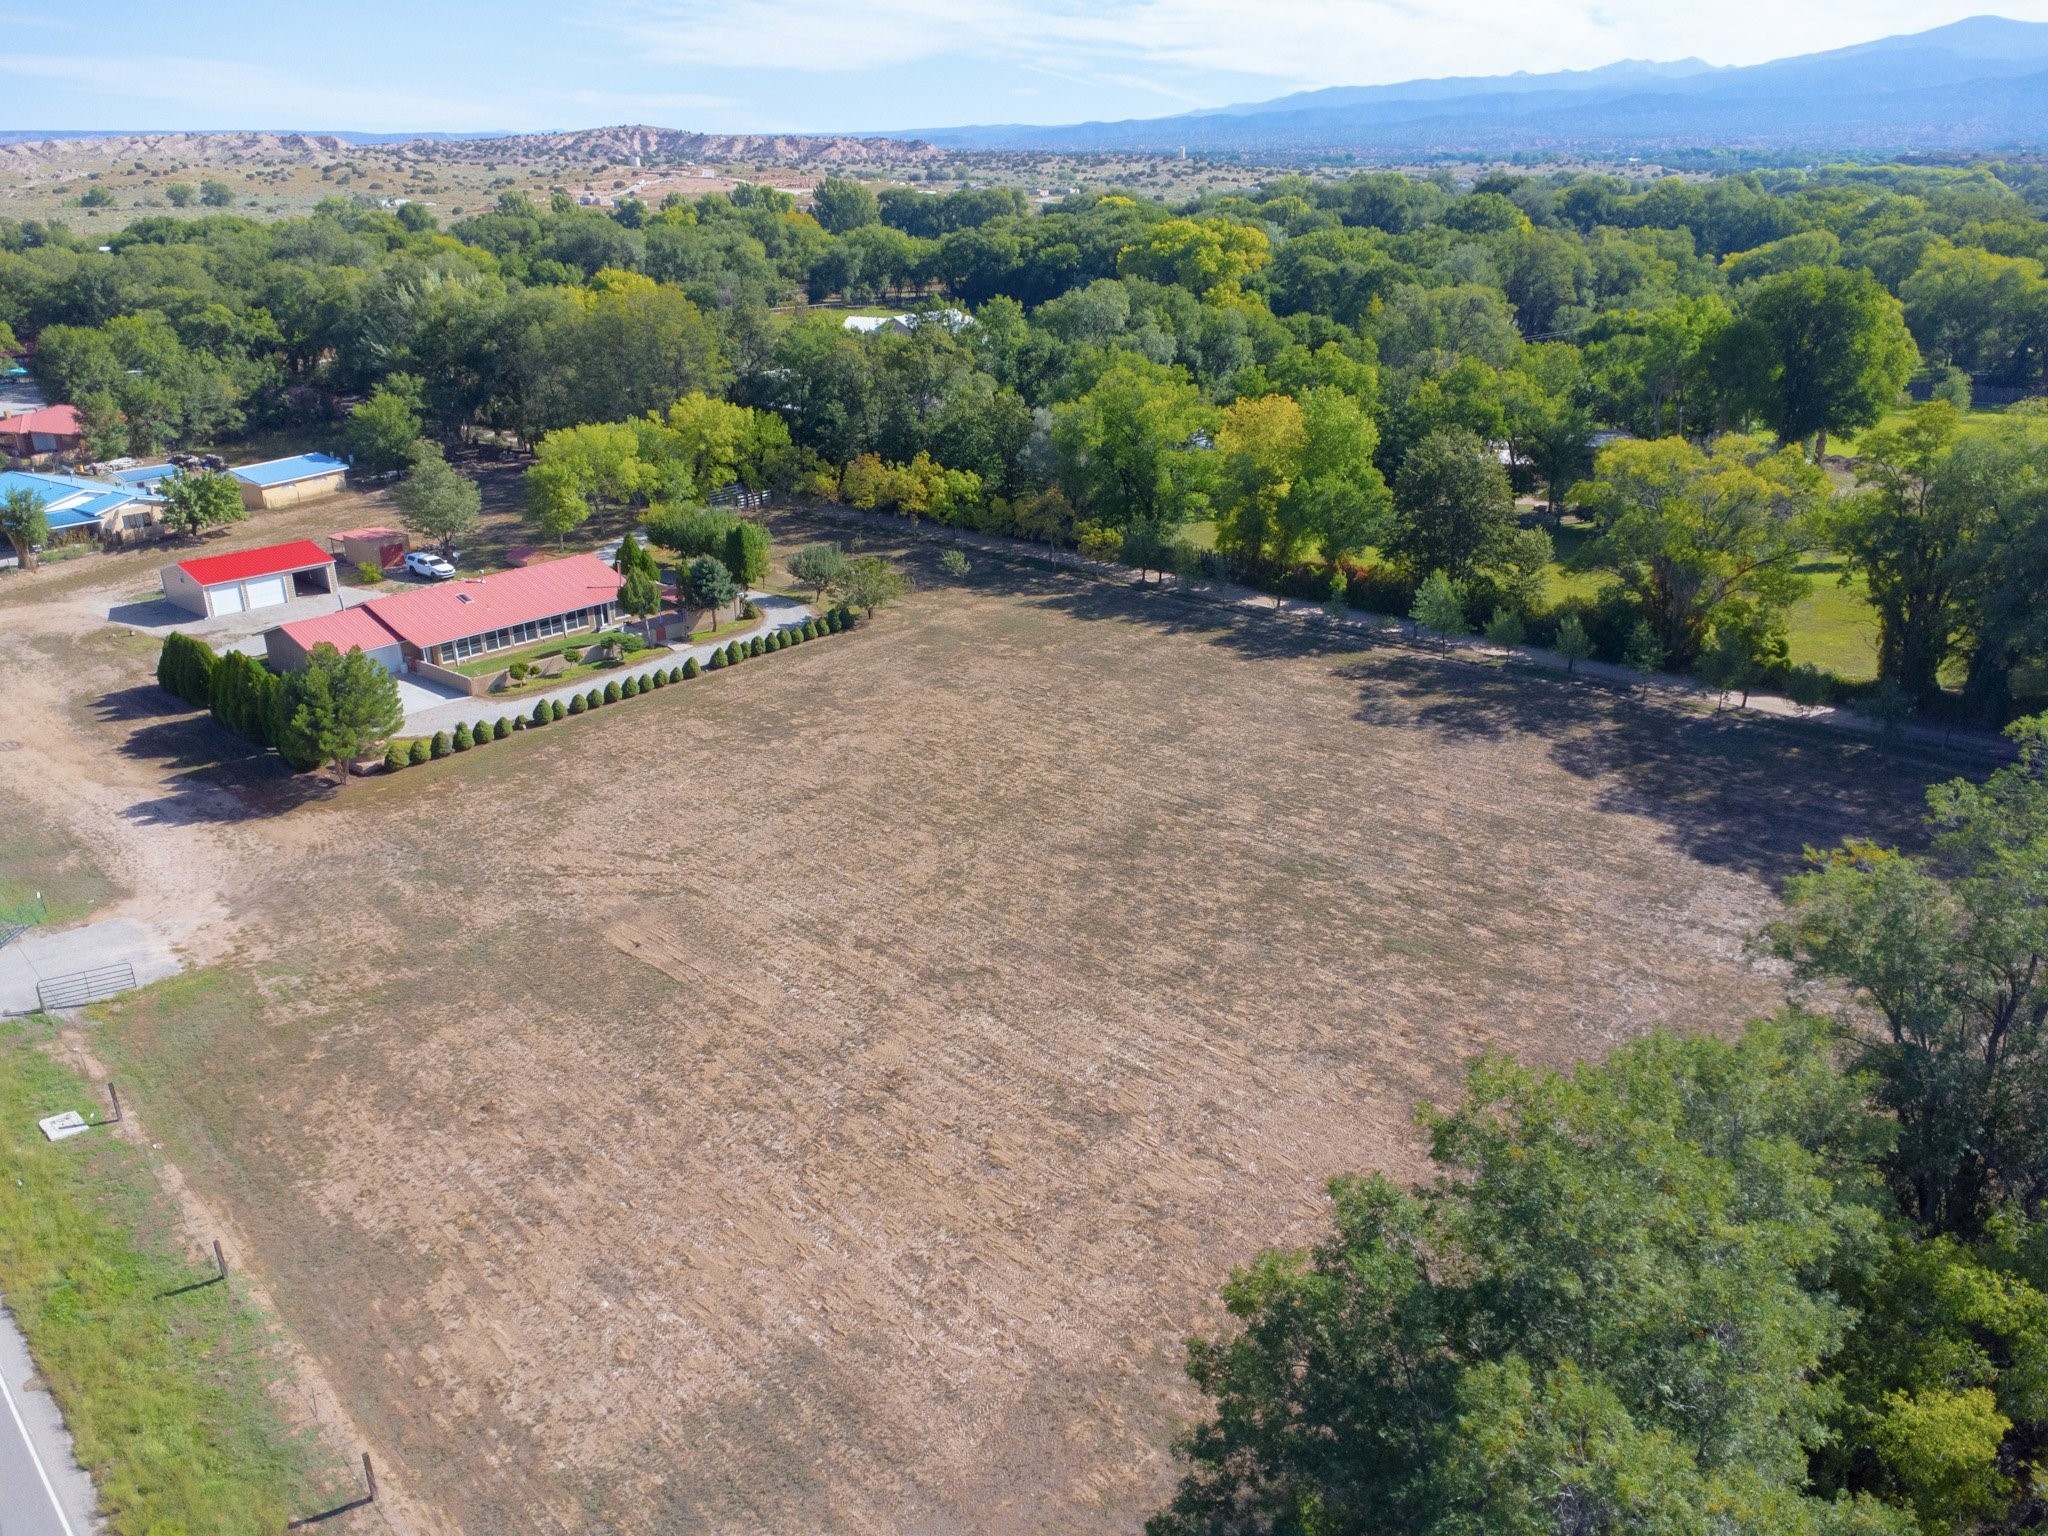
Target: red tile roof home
243,564
476,605
351,629
53,420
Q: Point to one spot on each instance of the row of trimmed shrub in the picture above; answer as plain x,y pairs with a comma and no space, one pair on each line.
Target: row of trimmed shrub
421,749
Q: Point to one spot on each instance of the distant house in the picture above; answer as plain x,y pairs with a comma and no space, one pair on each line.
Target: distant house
953,321
213,585
287,482
78,508
41,434
457,621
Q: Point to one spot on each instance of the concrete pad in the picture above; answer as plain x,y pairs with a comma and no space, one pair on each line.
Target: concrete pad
416,694
243,631
39,956
62,1127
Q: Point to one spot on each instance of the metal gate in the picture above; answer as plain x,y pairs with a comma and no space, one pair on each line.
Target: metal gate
82,987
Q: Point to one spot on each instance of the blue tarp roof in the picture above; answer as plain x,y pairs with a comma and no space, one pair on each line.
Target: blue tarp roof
283,471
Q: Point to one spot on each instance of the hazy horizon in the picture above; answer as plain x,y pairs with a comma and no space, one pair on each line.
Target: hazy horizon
801,66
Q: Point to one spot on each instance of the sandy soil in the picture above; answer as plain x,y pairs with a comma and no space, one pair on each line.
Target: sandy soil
824,1096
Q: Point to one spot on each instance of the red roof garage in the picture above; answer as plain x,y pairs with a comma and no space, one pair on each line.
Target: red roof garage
250,578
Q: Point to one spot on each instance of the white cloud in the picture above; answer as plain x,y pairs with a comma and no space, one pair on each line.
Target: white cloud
233,94
1321,42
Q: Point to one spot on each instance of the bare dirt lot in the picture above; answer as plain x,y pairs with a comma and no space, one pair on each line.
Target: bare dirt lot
824,1096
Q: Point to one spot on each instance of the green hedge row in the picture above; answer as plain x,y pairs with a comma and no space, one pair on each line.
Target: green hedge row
404,754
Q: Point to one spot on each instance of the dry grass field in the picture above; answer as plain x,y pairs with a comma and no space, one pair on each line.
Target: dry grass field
823,1096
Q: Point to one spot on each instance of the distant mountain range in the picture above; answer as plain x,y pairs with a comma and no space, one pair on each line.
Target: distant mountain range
339,136
1975,85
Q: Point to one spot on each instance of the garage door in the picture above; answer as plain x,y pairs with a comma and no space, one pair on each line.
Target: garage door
225,599
266,592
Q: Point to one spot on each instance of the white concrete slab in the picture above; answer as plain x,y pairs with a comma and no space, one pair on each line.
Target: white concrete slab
64,1126
38,956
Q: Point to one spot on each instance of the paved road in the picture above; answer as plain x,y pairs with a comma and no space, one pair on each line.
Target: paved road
42,1491
38,955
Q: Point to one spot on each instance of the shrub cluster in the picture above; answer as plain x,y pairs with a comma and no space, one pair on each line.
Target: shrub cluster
184,669
399,754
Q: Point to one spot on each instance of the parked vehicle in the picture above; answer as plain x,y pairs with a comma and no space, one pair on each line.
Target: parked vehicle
428,566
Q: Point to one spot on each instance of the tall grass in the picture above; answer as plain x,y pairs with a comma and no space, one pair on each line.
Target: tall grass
166,1396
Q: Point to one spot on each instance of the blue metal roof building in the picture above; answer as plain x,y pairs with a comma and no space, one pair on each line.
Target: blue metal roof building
286,482
144,477
70,502
304,466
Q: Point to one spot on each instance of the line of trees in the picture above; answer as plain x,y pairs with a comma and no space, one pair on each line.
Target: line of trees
1796,1281
1340,375
330,713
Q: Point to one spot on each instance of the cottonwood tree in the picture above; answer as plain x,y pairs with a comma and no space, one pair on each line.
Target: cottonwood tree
435,500
1948,534
194,502
380,432
1453,510
843,206
1949,956
1600,1317
1130,446
1691,532
1819,350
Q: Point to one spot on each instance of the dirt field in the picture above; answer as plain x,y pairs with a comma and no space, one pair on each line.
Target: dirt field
823,1097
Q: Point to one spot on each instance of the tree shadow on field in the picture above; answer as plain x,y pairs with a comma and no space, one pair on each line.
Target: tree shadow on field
144,701
1738,793
212,774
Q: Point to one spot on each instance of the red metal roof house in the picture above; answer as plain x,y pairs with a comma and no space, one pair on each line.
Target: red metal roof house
32,434
459,620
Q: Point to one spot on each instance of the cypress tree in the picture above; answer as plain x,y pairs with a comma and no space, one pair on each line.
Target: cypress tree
461,741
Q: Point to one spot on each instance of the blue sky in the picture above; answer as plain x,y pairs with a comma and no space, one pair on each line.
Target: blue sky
795,65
